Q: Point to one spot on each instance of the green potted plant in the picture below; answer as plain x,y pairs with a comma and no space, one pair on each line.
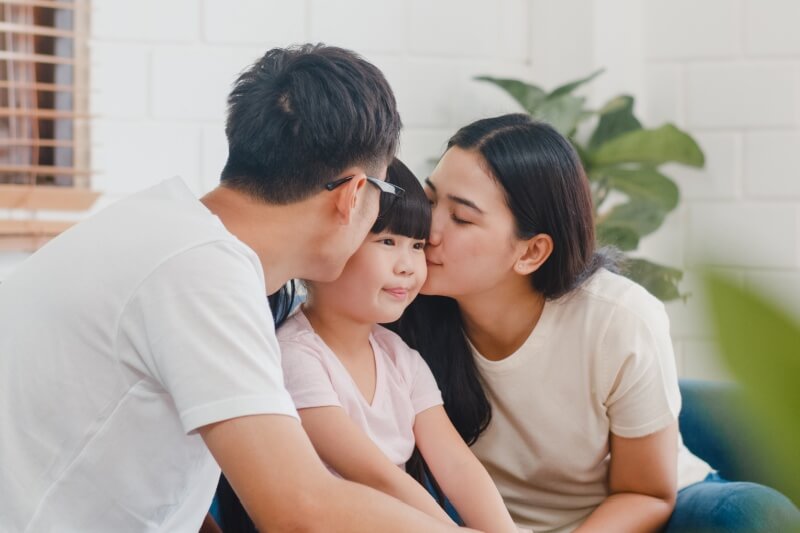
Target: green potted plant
632,196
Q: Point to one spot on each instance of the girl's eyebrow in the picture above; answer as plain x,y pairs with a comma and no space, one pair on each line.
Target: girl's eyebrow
457,199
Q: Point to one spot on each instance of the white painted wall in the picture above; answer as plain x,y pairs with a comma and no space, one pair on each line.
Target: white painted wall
726,70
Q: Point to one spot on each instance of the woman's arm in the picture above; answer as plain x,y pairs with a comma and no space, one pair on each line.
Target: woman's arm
462,477
351,453
643,484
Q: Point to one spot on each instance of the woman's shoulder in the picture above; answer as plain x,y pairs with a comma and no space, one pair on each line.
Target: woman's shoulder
614,291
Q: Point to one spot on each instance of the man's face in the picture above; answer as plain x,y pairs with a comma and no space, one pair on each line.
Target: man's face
347,238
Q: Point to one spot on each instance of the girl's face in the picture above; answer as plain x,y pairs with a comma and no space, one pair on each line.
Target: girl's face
473,245
380,279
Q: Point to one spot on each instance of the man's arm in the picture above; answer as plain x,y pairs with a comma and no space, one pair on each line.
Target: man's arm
284,486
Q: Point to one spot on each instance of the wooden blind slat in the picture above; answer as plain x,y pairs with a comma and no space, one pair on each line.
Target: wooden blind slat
52,87
9,27
52,4
37,142
36,58
38,113
43,170
46,197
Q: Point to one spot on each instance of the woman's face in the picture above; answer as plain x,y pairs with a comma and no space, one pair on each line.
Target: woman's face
473,245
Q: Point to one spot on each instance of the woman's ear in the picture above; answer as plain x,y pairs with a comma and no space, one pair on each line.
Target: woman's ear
535,252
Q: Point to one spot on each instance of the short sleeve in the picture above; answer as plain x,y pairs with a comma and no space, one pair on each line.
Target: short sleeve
638,363
202,328
424,390
307,380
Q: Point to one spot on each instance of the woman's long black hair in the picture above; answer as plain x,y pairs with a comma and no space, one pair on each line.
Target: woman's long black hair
547,191
410,216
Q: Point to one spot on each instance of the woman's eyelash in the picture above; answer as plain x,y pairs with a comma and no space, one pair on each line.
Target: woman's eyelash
459,220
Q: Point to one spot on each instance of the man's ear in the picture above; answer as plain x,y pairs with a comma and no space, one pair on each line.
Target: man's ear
347,198
535,252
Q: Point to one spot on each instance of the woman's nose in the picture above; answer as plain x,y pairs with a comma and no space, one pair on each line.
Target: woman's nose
435,238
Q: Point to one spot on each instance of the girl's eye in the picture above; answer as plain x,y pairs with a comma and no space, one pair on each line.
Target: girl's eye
419,245
387,241
459,221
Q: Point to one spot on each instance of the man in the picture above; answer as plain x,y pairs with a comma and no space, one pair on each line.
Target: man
137,348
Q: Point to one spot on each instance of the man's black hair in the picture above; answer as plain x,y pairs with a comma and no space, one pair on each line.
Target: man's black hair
301,115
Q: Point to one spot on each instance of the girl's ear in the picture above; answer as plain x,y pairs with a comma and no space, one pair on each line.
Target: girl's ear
535,252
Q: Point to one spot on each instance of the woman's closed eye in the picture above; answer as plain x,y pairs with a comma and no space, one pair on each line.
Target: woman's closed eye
459,221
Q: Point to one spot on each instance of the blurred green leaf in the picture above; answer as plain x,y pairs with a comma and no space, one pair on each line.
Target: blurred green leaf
623,238
571,86
761,346
661,281
562,113
661,145
639,216
644,183
528,96
616,118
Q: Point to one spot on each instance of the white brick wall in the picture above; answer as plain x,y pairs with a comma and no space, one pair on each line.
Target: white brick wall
727,70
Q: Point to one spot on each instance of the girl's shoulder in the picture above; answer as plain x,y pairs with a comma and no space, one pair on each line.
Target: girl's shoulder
296,328
400,354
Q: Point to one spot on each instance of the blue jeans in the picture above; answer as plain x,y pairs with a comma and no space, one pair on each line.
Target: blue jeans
717,505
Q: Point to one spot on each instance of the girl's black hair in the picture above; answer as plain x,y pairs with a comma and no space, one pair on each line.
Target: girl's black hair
547,191
410,216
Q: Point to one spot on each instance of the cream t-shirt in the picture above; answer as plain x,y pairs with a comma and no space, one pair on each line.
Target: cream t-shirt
599,361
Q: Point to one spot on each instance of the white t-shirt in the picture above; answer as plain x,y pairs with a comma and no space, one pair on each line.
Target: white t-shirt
118,339
404,385
599,361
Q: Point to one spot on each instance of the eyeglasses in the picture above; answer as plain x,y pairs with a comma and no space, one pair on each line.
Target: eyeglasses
393,192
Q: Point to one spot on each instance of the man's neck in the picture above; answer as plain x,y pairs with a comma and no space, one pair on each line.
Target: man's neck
280,235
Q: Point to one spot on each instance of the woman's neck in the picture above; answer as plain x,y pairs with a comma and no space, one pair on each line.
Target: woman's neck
343,334
499,321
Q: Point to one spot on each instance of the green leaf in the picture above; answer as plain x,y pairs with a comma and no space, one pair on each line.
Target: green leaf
644,184
639,216
528,96
661,281
661,145
616,118
571,86
623,238
563,113
761,346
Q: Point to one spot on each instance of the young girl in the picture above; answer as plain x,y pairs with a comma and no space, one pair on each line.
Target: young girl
365,398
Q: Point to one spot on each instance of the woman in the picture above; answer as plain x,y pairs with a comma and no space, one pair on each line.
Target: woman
557,371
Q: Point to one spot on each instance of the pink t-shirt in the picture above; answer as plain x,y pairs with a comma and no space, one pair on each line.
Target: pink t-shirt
404,384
